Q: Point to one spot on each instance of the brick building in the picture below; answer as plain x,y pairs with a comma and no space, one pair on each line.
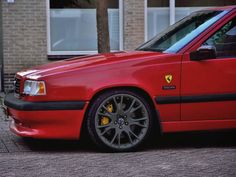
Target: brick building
33,32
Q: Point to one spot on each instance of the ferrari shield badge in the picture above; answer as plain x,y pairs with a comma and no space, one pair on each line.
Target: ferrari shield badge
168,78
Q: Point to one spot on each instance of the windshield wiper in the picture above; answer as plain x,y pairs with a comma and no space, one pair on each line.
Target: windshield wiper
151,49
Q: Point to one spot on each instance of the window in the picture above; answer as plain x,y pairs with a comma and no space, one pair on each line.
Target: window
224,40
185,7
180,34
72,27
158,12
157,17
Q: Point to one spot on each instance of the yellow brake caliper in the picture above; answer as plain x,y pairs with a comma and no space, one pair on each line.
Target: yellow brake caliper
106,120
110,108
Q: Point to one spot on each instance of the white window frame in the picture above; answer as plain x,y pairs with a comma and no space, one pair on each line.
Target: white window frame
121,32
145,20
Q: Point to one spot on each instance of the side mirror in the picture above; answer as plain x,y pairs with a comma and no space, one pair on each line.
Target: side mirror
203,52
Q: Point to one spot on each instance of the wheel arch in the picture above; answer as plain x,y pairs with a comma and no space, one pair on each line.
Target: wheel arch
157,128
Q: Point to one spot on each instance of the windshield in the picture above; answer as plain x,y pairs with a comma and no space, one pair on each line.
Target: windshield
180,34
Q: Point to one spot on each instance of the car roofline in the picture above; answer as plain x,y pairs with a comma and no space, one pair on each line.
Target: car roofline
229,8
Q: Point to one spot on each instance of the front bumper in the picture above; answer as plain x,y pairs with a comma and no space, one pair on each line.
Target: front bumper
56,120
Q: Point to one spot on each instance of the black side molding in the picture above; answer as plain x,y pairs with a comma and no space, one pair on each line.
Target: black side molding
168,99
12,102
195,98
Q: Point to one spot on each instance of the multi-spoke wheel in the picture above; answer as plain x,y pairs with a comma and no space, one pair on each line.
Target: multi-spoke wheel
119,120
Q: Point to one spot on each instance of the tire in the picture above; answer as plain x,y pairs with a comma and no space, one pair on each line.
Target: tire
119,120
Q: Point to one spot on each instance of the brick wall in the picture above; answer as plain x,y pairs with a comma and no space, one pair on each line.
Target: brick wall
133,23
24,36
25,33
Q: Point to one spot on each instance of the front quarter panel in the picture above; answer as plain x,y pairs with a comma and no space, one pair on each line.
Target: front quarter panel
147,74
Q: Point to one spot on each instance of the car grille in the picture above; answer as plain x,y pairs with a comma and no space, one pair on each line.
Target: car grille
17,87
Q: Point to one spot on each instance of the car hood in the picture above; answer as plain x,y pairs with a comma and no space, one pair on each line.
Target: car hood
85,62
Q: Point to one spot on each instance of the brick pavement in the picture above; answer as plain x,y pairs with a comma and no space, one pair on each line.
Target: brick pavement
9,142
183,154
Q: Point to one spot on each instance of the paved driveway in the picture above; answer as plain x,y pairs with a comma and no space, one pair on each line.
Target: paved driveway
183,154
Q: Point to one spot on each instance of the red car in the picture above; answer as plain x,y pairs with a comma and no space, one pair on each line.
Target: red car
184,79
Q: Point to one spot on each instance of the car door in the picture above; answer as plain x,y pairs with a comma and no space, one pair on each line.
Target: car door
208,86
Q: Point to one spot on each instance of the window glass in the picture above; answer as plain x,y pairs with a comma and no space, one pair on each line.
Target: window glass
186,7
224,40
181,12
179,35
158,18
73,26
60,4
158,3
203,3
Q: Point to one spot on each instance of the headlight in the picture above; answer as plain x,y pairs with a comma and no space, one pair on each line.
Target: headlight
34,88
